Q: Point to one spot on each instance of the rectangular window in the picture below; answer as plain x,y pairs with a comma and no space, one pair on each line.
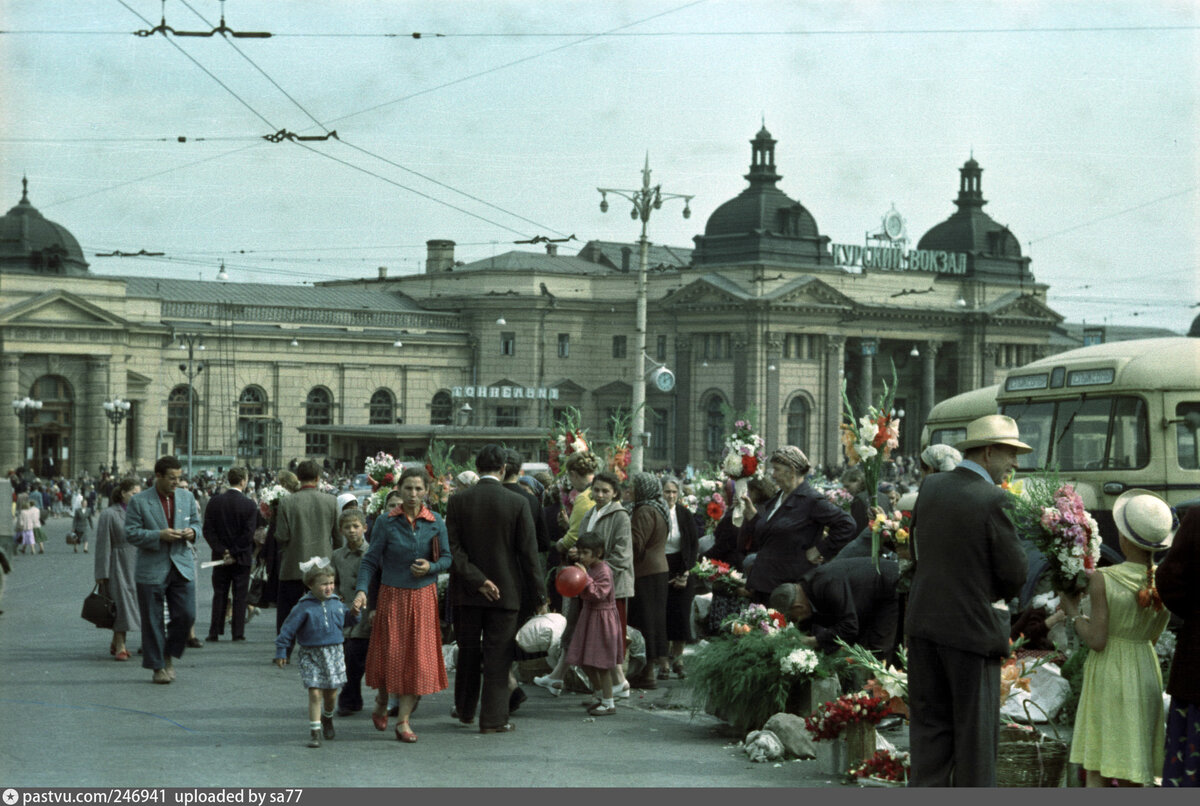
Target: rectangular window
507,417
564,345
1186,434
618,347
660,348
508,343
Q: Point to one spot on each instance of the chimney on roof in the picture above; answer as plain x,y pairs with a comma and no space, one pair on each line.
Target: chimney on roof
626,252
440,256
552,249
383,272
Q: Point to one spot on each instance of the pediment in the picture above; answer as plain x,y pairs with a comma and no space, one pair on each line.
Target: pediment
614,389
1015,305
706,291
59,308
568,387
810,291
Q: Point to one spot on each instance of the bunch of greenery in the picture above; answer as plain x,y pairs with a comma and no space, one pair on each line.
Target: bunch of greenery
1072,672
741,678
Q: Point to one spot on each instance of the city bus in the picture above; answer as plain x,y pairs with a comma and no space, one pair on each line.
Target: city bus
1109,418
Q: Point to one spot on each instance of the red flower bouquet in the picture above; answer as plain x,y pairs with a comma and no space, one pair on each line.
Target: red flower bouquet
830,719
885,765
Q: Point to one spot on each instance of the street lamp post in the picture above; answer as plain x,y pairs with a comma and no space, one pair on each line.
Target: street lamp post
116,410
644,199
193,343
26,410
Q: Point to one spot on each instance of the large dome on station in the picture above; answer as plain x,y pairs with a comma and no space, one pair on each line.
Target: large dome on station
970,229
30,242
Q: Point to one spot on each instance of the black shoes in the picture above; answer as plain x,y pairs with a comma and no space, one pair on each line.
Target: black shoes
327,727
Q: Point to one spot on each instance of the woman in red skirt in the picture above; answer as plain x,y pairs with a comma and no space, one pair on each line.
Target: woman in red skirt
409,548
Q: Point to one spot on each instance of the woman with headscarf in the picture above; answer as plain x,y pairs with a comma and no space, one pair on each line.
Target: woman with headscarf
683,544
939,459
787,533
116,563
648,608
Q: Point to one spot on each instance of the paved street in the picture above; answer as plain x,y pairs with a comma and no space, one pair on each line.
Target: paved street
74,717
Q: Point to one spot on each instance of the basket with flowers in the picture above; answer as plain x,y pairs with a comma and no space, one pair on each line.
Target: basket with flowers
720,576
1051,515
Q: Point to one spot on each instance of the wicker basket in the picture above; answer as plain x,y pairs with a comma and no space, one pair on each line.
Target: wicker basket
1030,758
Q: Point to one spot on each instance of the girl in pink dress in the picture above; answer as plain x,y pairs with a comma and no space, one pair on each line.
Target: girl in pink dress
596,644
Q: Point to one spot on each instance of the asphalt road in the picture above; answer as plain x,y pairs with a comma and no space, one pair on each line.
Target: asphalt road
71,716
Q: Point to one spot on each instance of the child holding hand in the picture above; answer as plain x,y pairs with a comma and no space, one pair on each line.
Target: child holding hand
316,622
597,644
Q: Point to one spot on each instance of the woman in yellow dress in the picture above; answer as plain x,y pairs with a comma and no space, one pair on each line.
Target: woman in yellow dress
1119,726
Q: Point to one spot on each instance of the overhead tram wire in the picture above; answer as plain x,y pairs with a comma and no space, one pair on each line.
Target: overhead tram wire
282,134
1106,217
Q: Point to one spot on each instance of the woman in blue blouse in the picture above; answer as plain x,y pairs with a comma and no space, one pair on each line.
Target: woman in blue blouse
409,548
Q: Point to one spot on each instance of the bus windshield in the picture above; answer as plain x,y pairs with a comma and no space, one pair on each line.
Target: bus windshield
1084,433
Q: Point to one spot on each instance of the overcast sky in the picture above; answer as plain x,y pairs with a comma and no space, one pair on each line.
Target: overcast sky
500,121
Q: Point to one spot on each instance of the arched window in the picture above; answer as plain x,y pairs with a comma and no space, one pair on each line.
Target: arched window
177,415
714,428
797,423
442,410
317,408
252,423
382,408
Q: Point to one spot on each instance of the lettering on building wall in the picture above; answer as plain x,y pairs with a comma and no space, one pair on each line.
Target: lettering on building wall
506,392
886,259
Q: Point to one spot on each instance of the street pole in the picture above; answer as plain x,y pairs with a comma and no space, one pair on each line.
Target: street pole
26,410
116,410
191,342
644,200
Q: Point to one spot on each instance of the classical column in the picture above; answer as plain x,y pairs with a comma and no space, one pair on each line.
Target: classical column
835,362
868,348
928,379
742,377
10,390
773,434
988,368
685,402
91,433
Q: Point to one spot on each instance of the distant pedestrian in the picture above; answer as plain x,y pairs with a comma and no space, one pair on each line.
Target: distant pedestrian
28,519
81,526
316,622
229,524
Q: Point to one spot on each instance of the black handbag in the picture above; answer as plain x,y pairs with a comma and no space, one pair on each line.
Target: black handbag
100,609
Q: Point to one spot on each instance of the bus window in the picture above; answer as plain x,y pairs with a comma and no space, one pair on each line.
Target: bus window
1186,435
1080,433
947,436
1130,446
1033,420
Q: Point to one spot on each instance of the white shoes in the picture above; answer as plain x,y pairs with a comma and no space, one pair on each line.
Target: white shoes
622,691
547,682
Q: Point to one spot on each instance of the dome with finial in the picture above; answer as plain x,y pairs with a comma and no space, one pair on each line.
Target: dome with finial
761,224
31,243
992,248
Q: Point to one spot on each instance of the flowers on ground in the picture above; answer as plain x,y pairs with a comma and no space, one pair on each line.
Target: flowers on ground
1052,516
719,576
830,719
754,618
885,765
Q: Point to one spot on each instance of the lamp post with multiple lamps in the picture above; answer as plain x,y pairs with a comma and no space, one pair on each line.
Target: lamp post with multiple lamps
116,410
193,343
644,200
26,410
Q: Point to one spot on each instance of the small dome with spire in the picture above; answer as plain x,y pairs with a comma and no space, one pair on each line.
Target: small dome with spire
31,243
970,229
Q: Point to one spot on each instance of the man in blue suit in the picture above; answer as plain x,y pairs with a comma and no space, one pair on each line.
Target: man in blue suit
163,523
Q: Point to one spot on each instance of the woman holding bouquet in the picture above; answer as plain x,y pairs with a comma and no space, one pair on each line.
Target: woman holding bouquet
1119,725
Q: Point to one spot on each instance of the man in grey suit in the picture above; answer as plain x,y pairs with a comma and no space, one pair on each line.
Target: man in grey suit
164,522
305,527
968,562
494,560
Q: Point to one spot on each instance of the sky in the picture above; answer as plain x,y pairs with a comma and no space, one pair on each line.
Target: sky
500,121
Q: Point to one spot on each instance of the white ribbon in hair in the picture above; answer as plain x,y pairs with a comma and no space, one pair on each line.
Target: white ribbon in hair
312,562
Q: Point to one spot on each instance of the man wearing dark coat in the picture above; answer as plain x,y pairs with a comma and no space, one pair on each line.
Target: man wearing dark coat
968,563
494,559
229,523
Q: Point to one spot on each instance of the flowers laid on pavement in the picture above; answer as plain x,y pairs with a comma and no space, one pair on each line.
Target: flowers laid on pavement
831,718
719,575
885,765
1051,515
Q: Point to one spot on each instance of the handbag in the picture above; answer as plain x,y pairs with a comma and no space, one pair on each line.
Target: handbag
100,609
435,550
258,582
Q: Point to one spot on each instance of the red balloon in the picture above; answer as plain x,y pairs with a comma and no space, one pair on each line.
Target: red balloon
571,581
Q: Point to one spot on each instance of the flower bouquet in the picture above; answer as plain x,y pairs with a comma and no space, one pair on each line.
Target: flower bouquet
1051,515
743,459
746,679
754,618
888,683
857,707
268,500
618,453
568,438
890,531
442,470
870,439
719,576
383,472
886,767
839,497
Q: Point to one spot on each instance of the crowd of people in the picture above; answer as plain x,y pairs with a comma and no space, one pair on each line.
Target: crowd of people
358,592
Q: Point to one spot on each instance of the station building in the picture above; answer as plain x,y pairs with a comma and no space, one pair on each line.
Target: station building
762,313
